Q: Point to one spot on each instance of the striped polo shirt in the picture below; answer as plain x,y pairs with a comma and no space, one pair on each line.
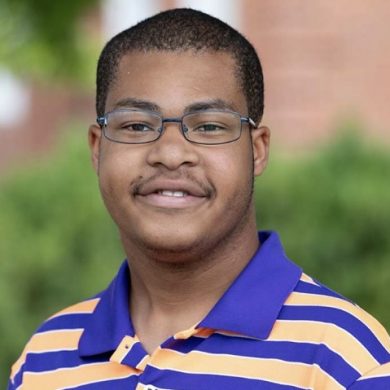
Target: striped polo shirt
275,328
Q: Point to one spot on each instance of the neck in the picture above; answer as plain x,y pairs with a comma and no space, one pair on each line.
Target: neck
179,293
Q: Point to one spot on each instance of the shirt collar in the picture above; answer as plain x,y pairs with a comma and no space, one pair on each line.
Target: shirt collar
249,307
110,321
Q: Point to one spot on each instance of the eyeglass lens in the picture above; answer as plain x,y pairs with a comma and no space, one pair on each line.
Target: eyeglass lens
206,127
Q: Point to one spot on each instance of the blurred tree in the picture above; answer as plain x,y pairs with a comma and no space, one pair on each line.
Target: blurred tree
58,245
43,37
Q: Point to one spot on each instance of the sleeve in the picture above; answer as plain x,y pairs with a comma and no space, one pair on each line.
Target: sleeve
378,379
16,377
15,381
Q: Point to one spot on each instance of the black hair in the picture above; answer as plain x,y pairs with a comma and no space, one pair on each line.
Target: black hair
183,29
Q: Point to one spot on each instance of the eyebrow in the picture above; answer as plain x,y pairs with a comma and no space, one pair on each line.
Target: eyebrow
216,104
137,103
212,104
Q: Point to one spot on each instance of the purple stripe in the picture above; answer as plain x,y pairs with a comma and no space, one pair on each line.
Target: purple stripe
62,359
308,288
69,321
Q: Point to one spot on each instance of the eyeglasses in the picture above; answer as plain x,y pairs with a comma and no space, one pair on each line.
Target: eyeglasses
208,127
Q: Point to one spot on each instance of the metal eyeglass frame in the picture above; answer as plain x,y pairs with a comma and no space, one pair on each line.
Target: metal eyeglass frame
102,122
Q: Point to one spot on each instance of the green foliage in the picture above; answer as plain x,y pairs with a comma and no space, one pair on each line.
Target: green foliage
59,246
44,38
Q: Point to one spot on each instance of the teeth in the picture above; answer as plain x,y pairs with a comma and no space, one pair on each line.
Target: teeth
177,194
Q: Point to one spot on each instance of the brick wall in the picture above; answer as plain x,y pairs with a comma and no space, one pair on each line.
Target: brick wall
324,62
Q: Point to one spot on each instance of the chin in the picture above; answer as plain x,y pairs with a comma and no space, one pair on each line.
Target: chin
172,245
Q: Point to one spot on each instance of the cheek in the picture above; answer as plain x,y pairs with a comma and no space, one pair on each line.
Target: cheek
116,170
232,172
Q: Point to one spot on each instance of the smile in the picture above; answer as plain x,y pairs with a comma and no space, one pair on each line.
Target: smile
167,194
171,199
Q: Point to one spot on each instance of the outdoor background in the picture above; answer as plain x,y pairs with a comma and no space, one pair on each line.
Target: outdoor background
327,188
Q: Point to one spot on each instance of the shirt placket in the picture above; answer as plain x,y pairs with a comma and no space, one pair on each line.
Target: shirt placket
130,352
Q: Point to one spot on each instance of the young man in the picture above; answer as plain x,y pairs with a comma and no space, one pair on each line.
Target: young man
203,300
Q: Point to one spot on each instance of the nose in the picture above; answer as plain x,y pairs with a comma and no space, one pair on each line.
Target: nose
172,150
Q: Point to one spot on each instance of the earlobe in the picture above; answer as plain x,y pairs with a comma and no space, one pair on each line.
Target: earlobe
94,137
260,143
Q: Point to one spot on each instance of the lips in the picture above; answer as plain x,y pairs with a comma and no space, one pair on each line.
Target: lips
170,187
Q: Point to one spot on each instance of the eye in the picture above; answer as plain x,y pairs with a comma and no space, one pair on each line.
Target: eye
210,127
137,127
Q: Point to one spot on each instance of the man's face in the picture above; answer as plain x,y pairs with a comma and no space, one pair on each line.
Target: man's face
143,185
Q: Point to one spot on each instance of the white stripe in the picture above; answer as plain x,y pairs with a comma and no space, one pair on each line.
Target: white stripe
66,330
51,350
363,378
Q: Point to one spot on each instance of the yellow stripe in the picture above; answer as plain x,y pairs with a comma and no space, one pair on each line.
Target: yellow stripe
81,375
272,370
308,279
55,340
380,371
79,308
335,338
186,334
204,332
302,299
48,341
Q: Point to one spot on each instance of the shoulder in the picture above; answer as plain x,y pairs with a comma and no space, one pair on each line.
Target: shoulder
321,307
60,332
317,315
312,300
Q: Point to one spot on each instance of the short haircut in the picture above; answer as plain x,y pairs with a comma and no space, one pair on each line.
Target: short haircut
184,29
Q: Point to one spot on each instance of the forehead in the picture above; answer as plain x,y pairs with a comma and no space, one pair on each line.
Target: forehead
174,80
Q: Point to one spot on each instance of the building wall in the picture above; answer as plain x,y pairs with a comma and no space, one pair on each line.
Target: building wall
324,62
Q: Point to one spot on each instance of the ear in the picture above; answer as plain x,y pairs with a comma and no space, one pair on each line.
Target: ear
260,144
94,138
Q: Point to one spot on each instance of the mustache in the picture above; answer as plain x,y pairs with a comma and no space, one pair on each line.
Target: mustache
138,184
